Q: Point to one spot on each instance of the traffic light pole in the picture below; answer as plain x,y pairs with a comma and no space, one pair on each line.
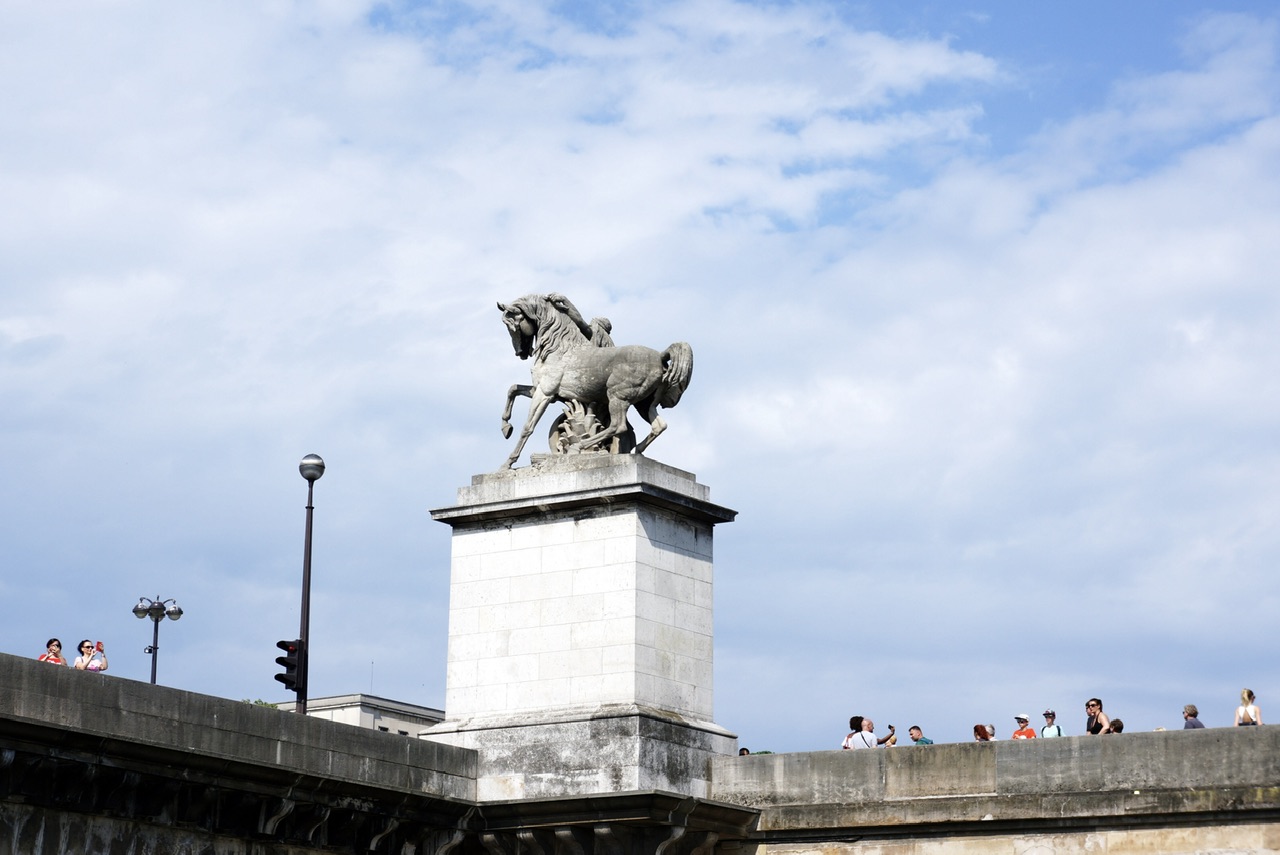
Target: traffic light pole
304,628
295,678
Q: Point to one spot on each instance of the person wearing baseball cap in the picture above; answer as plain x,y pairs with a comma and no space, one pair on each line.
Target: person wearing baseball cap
1051,728
1024,730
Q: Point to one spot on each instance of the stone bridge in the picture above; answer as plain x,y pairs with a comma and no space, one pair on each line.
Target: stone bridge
95,764
92,764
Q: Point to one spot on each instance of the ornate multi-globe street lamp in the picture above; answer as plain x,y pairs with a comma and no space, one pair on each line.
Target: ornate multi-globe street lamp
157,610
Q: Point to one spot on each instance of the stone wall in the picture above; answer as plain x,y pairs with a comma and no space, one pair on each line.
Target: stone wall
92,764
1180,791
82,708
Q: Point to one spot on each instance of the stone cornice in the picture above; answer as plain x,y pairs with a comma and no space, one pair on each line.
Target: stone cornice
562,484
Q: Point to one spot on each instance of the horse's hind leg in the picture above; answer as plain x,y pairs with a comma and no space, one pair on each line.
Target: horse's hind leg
656,427
617,425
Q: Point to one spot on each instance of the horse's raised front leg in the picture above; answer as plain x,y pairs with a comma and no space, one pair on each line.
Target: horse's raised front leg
537,406
516,390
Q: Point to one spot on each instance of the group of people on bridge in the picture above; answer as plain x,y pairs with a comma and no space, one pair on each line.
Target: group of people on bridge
93,656
862,730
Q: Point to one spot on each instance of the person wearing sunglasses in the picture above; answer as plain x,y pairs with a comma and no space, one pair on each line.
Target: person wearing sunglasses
1098,721
1051,726
53,652
91,658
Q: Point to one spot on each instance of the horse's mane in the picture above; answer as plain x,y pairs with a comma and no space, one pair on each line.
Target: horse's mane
555,330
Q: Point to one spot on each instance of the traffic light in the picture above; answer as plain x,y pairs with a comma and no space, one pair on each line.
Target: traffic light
294,662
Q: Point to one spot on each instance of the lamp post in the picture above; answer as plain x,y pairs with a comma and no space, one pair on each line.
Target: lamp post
157,610
311,468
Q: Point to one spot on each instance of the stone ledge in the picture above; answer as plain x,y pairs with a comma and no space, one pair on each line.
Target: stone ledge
1177,778
564,484
644,806
1025,812
563,715
76,711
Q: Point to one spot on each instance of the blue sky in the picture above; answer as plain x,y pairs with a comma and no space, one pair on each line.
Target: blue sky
982,298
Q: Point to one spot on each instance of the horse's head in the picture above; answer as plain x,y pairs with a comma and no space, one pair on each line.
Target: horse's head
522,323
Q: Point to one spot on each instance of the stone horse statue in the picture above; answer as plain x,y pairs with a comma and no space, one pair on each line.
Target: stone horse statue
577,364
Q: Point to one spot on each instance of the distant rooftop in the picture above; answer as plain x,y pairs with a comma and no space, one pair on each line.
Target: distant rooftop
372,712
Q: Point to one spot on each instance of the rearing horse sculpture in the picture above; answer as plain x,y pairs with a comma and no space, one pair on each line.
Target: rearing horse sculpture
571,368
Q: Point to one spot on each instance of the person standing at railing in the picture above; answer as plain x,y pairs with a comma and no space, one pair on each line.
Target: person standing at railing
1051,726
1247,713
1098,721
92,657
53,652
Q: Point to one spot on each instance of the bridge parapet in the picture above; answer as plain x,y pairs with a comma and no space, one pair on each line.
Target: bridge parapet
84,708
112,751
1218,781
90,763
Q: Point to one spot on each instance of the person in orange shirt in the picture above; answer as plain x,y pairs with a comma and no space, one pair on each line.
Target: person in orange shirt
53,652
1024,731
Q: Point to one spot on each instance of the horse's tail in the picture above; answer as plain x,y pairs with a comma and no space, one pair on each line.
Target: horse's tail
677,371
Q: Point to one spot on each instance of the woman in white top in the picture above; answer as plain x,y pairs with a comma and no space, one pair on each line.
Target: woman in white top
1247,713
92,657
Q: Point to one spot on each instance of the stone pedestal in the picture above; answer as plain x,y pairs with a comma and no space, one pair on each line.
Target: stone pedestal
580,628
